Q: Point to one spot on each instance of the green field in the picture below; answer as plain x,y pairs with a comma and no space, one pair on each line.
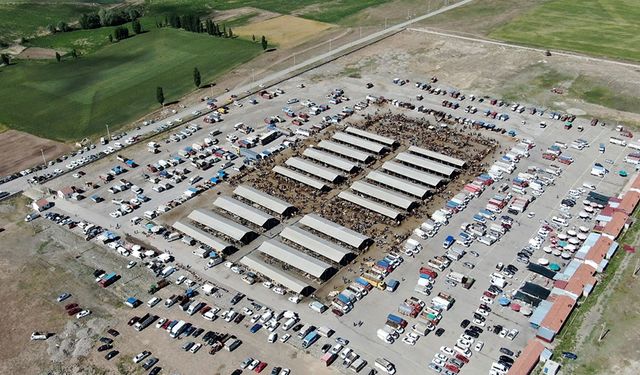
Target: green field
76,98
609,28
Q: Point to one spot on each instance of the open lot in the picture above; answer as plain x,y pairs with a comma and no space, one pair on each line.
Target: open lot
283,31
16,157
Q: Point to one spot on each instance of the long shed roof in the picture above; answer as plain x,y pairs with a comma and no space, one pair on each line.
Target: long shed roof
370,205
223,225
398,183
329,159
317,170
412,173
201,236
364,144
300,177
334,230
371,136
263,199
429,165
454,162
243,210
295,258
316,244
346,151
291,282
396,199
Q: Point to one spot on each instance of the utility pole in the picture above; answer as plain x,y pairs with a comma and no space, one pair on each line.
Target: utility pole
43,159
108,134
604,332
385,22
636,269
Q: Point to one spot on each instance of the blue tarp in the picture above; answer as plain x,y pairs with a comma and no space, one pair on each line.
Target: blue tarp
214,180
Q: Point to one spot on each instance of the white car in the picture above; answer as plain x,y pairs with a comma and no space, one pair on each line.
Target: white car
409,341
160,322
253,364
479,346
512,334
285,338
440,356
486,300
267,284
336,349
180,279
439,362
467,338
464,344
482,312
195,348
83,313
479,322
503,333
279,290
247,311
447,350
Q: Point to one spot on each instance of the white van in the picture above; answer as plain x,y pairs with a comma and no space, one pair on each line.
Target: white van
589,185
560,221
289,323
153,301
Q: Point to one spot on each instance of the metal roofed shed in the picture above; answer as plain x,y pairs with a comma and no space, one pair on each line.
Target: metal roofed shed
223,225
412,173
396,199
243,210
297,259
291,282
349,152
370,205
426,164
329,159
400,184
454,162
202,237
371,136
317,244
314,169
300,177
334,230
265,200
364,144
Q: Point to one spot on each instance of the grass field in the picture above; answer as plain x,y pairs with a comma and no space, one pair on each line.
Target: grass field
114,85
608,28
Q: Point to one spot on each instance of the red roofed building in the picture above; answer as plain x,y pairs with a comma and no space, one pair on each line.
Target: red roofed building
555,318
598,252
636,185
629,202
581,282
616,225
528,359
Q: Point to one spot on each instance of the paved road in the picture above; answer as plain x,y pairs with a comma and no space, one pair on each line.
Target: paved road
21,184
516,46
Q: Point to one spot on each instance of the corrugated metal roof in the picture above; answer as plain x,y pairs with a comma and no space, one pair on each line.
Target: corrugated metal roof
581,279
615,226
243,210
317,170
295,258
412,173
598,251
370,205
346,151
300,177
539,313
629,202
201,236
528,359
263,199
398,183
223,225
364,144
293,283
437,156
316,244
396,199
429,165
371,136
329,159
337,231
560,311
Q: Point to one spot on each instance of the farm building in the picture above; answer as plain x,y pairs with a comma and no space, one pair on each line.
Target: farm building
398,184
385,195
265,200
426,164
370,205
436,156
345,151
291,282
221,224
361,143
243,210
317,244
300,177
297,259
314,169
331,160
203,237
391,143
337,231
412,173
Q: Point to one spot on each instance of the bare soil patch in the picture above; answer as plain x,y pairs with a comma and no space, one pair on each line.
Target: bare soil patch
259,14
285,31
19,150
37,53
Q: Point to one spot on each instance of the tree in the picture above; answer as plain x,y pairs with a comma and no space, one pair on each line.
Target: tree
160,95
120,33
230,33
5,58
196,77
51,29
63,27
253,37
110,38
264,43
74,53
58,57
135,25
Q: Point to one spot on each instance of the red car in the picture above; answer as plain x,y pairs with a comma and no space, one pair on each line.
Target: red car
489,294
462,358
71,306
73,311
453,368
260,367
205,309
165,325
